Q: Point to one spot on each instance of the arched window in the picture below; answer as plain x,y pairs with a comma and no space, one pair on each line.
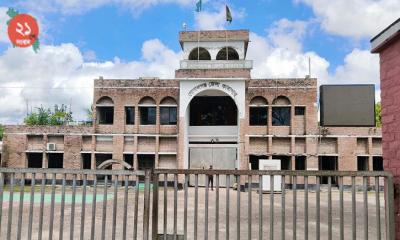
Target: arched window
281,112
227,53
199,54
258,101
281,100
258,111
105,101
168,101
147,101
105,111
147,109
168,111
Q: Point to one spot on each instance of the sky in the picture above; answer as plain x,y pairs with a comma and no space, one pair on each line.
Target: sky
81,40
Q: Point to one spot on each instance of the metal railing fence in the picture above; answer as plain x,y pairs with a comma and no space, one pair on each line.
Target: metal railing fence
72,204
358,206
181,204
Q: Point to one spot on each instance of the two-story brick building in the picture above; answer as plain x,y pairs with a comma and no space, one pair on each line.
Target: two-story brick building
211,113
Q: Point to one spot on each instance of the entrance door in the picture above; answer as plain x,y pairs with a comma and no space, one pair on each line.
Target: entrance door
218,157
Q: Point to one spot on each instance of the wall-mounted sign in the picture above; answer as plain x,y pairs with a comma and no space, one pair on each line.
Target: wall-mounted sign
212,85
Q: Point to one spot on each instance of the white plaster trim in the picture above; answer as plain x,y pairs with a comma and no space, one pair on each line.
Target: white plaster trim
96,152
288,87
34,151
54,151
314,136
167,153
211,79
213,145
136,87
146,153
385,36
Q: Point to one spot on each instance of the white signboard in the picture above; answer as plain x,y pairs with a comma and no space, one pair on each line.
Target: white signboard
271,165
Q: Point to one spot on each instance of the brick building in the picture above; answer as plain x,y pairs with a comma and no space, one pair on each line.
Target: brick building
211,113
387,44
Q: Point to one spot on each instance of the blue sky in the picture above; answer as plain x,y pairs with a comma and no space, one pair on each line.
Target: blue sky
129,38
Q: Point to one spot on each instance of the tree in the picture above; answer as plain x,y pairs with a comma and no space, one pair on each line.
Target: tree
378,115
90,114
1,132
43,116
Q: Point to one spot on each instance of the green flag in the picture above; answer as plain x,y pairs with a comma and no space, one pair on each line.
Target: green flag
198,6
228,14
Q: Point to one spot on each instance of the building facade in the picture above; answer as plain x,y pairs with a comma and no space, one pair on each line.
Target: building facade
211,113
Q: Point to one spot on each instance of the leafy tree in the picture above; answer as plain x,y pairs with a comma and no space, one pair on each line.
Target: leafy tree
90,114
1,132
378,115
59,116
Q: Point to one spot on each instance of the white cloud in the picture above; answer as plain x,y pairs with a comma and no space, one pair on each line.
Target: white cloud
82,6
216,18
275,60
65,67
355,18
288,34
360,66
278,62
59,74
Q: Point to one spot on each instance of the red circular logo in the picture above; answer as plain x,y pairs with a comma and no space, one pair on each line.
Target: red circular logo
23,30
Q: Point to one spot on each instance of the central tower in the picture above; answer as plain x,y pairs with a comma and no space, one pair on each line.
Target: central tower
212,76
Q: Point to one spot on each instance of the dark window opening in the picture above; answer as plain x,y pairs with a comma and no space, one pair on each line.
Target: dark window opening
377,163
286,161
258,116
100,158
328,163
56,160
255,161
147,115
299,111
35,160
86,161
128,158
145,162
362,163
199,54
105,115
130,115
213,111
301,163
281,116
168,115
228,53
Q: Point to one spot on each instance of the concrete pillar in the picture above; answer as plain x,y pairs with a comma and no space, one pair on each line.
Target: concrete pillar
45,158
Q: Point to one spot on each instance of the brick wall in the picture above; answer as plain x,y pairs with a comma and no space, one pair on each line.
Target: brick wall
390,96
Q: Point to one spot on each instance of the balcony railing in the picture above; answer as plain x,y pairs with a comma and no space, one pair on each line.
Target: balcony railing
216,64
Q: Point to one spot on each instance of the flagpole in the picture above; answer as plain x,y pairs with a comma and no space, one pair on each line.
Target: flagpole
198,45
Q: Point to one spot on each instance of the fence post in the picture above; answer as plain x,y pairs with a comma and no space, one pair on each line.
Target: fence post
390,224
154,223
146,210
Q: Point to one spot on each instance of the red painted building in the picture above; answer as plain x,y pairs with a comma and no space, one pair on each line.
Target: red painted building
387,44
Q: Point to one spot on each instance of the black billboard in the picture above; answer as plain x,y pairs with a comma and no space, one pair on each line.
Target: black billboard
347,105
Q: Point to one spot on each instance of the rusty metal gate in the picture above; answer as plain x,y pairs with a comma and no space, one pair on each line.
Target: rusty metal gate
75,204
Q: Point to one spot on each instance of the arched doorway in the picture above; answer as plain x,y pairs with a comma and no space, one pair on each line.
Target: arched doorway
212,123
